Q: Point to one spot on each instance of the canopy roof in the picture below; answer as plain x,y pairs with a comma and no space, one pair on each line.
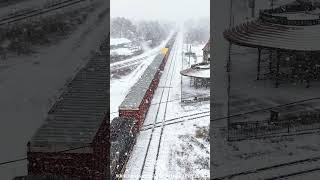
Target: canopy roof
288,31
197,71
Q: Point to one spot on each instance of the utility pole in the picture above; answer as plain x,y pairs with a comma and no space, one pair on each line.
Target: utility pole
189,53
229,75
181,76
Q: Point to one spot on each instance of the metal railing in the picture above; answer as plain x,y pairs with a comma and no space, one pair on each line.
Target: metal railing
287,124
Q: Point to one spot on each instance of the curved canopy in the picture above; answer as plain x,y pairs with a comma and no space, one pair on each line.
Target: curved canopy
197,73
263,34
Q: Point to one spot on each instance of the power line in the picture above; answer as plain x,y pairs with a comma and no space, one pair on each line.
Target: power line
25,158
12,161
172,100
216,119
176,118
266,109
176,122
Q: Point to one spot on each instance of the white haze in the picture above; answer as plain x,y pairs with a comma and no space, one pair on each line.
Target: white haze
169,10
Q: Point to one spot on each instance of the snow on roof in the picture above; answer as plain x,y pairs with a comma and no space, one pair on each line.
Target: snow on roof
198,73
207,47
74,120
122,51
297,15
138,90
118,41
261,34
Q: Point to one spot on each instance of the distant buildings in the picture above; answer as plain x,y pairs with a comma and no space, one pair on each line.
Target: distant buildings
206,53
200,72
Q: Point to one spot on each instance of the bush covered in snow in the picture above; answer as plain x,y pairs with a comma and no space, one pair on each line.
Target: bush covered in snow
194,154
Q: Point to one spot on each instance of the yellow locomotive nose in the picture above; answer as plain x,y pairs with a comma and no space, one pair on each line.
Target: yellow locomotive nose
164,50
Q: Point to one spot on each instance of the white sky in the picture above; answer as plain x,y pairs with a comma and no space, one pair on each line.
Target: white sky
175,10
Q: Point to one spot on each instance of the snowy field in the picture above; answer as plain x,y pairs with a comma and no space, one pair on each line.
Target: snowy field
247,94
29,88
123,47
160,151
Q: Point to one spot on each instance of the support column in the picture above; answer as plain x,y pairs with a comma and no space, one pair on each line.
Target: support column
258,66
309,76
270,62
229,89
278,68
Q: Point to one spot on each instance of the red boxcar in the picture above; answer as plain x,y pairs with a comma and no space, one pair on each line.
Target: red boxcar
74,141
137,102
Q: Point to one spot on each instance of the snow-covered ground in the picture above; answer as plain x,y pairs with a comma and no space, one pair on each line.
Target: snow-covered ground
247,94
123,47
122,51
30,87
119,41
158,151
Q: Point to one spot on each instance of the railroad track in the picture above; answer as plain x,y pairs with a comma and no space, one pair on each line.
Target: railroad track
278,171
128,64
177,120
149,161
122,65
29,13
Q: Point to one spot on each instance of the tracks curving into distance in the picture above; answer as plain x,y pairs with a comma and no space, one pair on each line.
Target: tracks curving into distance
168,80
127,64
37,12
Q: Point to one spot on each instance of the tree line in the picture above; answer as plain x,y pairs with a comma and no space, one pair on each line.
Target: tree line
152,31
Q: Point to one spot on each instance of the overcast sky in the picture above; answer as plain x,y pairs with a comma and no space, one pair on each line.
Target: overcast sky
177,10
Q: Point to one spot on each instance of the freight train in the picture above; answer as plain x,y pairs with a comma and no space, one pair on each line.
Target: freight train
123,137
133,110
74,140
137,101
